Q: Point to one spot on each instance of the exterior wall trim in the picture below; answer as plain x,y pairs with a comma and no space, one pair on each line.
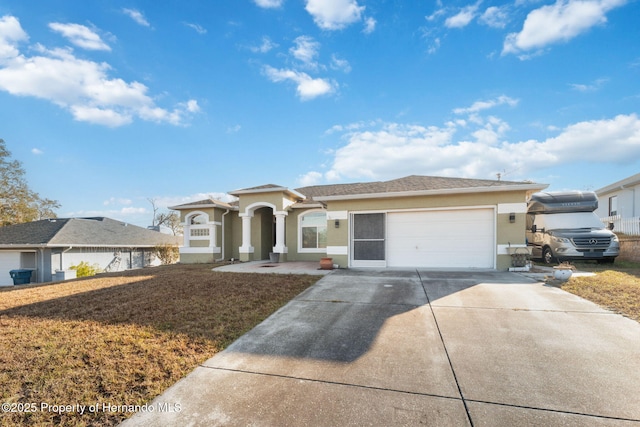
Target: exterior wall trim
440,192
337,250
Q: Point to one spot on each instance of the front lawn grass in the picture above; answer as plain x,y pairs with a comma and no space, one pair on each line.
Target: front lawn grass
616,287
122,338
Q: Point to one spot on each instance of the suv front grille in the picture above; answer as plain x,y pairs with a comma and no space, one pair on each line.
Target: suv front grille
592,242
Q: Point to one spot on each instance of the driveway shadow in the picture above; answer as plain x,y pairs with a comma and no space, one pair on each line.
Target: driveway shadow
341,317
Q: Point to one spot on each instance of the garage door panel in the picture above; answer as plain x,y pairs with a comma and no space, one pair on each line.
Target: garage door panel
8,261
450,239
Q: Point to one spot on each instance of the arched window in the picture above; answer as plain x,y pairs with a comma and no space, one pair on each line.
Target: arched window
313,231
199,219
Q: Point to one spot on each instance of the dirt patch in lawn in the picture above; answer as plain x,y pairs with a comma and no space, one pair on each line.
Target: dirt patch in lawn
121,339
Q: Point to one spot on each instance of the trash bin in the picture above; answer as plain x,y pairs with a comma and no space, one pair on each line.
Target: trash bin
20,277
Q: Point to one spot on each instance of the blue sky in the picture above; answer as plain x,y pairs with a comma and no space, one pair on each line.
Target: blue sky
110,103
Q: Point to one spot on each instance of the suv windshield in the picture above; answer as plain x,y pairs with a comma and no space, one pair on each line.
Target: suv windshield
573,221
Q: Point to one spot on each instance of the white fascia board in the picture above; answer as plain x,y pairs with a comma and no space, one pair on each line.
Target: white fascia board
25,246
269,190
444,191
308,206
209,206
620,185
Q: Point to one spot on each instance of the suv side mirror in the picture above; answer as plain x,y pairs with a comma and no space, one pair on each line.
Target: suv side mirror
534,228
610,226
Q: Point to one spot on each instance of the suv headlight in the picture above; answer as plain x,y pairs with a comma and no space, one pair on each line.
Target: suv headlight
560,239
615,238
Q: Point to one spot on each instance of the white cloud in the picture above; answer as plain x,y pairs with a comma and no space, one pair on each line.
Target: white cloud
234,129
340,64
264,47
592,87
396,149
269,4
37,151
137,16
11,33
80,36
82,87
434,46
435,15
495,17
462,18
306,51
369,25
484,105
117,201
310,178
306,86
559,22
334,14
197,27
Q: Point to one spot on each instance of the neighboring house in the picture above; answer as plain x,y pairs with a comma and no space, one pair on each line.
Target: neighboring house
52,245
619,203
415,221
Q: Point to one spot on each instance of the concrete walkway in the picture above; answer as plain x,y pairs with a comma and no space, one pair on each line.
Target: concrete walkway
398,347
290,267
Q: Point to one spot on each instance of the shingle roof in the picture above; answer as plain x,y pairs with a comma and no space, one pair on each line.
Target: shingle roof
204,204
97,231
406,184
262,187
31,233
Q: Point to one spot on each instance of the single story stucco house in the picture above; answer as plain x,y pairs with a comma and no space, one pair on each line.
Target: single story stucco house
51,246
415,221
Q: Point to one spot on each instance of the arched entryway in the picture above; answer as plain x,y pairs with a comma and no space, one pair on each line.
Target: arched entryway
263,228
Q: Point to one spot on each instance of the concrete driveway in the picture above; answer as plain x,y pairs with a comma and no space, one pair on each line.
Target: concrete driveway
399,347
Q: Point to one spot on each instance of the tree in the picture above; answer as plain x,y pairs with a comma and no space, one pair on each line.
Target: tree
170,220
18,203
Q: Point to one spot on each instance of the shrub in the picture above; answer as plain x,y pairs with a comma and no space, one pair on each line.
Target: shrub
85,270
167,254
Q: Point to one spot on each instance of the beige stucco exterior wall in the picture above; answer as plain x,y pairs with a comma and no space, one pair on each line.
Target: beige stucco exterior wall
278,199
292,238
262,227
216,215
506,232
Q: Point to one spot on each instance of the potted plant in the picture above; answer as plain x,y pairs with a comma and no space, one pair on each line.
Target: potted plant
563,271
326,263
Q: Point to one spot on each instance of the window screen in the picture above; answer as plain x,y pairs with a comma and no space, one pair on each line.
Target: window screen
368,237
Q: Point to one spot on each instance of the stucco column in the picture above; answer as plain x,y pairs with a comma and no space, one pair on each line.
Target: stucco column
246,247
187,235
280,246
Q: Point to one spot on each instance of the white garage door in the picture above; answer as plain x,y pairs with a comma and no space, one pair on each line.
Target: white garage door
8,261
449,238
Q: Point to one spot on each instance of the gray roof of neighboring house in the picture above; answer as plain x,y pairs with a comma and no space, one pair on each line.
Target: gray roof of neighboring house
401,185
98,231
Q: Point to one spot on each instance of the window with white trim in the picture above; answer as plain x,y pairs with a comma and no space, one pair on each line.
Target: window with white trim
313,231
199,219
613,205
